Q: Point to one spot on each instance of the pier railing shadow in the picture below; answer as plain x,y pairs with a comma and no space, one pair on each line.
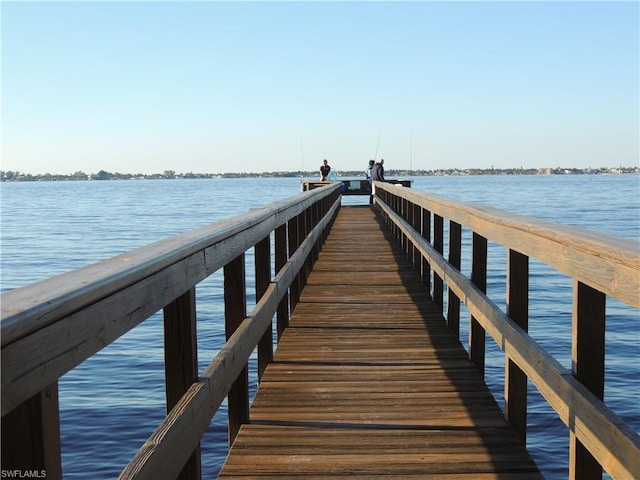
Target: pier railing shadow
600,265
50,327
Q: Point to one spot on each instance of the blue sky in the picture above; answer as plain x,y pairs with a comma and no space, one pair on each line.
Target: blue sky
143,87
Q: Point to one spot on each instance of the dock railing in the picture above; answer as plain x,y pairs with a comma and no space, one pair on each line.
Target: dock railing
600,265
52,326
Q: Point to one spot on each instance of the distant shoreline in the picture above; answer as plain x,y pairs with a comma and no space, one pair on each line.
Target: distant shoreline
15,176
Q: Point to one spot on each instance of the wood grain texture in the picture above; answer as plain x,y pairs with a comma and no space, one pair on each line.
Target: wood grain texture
610,440
30,308
369,382
607,263
50,327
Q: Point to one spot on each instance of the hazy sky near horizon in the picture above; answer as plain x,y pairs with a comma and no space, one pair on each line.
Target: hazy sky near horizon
212,87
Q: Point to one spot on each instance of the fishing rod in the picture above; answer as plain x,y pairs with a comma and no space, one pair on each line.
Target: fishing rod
302,160
375,157
411,154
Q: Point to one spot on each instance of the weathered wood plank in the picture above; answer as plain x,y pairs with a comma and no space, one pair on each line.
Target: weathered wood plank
235,311
181,362
515,382
164,453
587,359
368,381
26,310
607,263
611,441
89,308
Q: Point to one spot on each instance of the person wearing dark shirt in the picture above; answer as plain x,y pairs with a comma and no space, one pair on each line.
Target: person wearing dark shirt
377,175
377,171
325,169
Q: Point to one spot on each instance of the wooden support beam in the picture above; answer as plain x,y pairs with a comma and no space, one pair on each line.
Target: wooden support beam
181,362
438,245
587,359
235,310
31,435
263,277
294,241
404,213
280,240
426,234
479,278
304,228
515,387
416,223
455,251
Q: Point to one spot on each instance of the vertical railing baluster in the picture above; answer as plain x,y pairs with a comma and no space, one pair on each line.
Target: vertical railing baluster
295,289
515,385
587,359
416,221
395,202
315,218
181,362
404,206
479,278
426,234
438,245
305,225
263,278
235,310
31,435
282,315
455,251
397,208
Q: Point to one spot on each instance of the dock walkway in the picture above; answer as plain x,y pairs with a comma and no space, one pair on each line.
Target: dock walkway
368,381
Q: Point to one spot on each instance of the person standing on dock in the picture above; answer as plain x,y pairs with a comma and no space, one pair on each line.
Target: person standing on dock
367,172
377,175
325,169
377,171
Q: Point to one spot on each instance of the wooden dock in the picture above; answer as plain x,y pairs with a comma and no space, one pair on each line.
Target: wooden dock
365,378
368,381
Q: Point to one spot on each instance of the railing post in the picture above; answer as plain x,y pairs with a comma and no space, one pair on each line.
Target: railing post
515,386
315,218
404,240
305,224
263,277
31,435
479,278
438,245
453,303
282,315
426,234
416,224
394,202
295,289
181,362
587,359
235,310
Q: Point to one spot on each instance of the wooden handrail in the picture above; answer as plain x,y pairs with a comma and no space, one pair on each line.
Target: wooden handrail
170,445
605,262
50,327
610,265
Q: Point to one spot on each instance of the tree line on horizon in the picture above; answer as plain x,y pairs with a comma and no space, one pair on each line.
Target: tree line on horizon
16,176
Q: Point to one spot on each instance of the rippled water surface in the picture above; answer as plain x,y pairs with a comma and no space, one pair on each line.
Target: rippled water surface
112,402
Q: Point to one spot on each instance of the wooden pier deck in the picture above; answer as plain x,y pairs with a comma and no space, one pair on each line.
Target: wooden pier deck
368,381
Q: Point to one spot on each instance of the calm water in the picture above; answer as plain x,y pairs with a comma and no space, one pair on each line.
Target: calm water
52,227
